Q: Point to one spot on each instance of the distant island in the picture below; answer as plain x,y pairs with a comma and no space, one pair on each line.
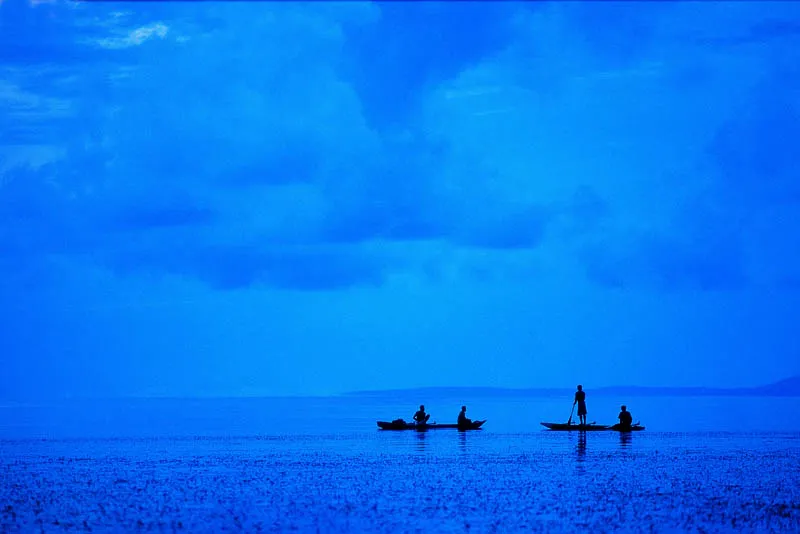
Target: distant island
789,387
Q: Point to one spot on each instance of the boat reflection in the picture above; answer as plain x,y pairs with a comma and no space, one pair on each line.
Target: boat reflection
462,442
420,443
580,453
625,439
580,449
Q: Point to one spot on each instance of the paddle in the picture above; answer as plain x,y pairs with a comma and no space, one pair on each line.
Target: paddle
569,421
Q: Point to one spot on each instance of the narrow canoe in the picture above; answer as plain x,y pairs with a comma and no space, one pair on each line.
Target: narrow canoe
587,428
387,425
632,428
581,428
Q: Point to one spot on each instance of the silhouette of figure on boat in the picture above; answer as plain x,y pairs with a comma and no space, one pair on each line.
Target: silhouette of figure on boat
463,420
625,418
421,417
580,400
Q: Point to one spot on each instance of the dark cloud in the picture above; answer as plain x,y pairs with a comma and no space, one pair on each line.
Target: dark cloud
405,220
719,239
25,53
408,206
417,45
776,28
789,282
15,132
393,197
756,150
714,264
163,216
35,217
127,192
280,163
703,249
230,266
399,220
170,235
616,34
504,229
667,263
172,165
759,33
586,210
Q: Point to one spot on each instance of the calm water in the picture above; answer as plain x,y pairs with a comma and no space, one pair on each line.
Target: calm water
320,465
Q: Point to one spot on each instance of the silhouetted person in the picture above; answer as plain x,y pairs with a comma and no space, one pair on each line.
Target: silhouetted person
625,418
421,417
580,399
462,417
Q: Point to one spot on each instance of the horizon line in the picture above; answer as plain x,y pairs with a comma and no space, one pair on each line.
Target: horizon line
762,389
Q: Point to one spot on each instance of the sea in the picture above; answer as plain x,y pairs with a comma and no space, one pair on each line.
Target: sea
704,464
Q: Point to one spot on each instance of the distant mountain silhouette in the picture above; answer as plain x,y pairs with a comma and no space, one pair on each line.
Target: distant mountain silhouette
789,387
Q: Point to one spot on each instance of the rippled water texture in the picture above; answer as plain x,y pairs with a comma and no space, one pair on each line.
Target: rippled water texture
368,480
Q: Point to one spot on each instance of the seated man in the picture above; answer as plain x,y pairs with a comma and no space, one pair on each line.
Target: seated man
625,417
421,417
462,417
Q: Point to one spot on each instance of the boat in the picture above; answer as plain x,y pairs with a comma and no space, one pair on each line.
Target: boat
571,426
633,428
591,427
402,425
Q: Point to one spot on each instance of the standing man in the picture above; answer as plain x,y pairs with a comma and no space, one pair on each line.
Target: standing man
580,400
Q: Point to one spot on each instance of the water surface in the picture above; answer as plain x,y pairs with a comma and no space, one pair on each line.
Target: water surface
257,465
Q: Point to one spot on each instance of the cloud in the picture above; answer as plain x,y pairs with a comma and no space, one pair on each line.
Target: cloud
19,102
503,229
413,47
668,263
229,266
761,32
346,129
49,35
136,37
186,184
282,162
755,150
161,216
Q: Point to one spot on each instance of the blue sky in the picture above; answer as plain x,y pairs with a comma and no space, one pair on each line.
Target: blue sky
280,198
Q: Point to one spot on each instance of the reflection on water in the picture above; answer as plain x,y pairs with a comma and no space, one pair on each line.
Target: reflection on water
625,439
462,442
581,447
580,453
420,441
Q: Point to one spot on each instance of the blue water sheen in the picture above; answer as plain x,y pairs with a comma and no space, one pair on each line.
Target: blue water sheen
345,475
136,418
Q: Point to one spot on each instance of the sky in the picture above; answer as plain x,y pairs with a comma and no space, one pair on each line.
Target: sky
201,199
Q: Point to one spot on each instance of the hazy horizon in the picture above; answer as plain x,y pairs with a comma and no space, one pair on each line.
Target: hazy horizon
444,390
316,198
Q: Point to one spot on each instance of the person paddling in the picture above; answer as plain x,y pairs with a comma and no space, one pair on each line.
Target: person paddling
421,417
625,418
580,400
